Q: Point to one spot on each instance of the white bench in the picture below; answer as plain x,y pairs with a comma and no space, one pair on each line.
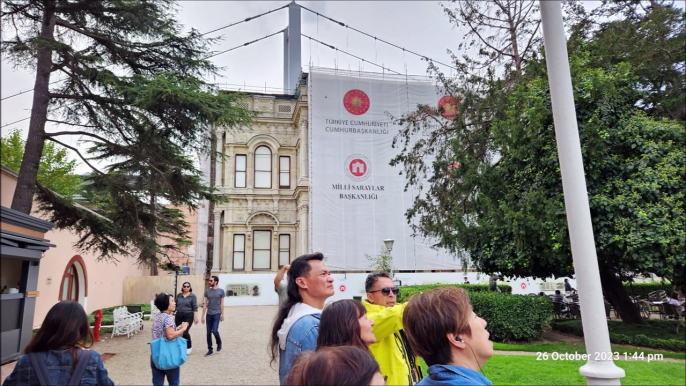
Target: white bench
126,323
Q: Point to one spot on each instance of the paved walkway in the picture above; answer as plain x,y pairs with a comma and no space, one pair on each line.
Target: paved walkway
242,361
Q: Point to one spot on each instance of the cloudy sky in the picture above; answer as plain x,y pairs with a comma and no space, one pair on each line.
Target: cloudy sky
419,26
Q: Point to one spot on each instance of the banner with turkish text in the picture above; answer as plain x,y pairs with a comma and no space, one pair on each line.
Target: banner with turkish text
357,200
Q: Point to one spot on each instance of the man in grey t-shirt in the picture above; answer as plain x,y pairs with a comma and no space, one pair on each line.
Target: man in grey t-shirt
280,286
213,305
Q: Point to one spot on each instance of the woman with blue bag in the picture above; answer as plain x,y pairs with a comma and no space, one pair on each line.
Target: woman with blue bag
168,348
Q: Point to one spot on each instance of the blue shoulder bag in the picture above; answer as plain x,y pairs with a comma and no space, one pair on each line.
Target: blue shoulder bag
168,354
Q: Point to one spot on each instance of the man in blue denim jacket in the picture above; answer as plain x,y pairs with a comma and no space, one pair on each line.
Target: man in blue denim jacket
296,326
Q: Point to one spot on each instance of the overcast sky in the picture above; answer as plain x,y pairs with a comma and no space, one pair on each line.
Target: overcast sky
419,26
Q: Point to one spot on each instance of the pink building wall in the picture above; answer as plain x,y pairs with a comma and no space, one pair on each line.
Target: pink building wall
105,281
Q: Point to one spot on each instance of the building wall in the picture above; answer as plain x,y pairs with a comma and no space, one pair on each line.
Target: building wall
282,210
101,283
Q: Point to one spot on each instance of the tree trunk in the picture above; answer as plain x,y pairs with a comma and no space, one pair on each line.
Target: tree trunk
617,296
153,232
28,172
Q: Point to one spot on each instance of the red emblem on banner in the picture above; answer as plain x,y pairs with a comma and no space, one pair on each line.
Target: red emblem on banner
523,285
356,102
358,167
342,288
449,105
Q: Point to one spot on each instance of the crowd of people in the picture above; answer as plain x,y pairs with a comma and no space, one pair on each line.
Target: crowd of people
376,341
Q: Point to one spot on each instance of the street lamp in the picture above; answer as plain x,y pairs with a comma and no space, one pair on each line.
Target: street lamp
389,247
389,244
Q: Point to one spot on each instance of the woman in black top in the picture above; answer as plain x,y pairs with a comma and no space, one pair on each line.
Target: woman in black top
187,311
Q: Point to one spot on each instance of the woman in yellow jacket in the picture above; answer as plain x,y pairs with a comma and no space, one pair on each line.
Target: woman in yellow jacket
398,363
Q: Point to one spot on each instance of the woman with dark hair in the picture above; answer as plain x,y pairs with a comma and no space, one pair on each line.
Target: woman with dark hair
164,325
186,311
345,323
60,342
339,366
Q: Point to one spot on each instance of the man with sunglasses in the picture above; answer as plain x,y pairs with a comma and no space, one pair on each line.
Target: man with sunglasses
398,363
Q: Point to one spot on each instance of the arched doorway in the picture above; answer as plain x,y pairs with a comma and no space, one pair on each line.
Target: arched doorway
74,285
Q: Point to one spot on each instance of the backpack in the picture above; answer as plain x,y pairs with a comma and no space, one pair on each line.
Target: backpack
44,377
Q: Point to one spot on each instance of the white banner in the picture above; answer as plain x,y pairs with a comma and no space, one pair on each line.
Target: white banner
357,199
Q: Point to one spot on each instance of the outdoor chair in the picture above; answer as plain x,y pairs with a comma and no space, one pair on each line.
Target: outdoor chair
657,296
643,309
575,310
670,311
125,323
559,310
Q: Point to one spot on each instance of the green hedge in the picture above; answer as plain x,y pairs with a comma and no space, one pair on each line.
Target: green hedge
509,317
631,335
512,317
407,291
643,289
110,310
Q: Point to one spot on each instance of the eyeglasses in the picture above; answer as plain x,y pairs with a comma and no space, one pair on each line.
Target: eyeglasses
387,291
186,286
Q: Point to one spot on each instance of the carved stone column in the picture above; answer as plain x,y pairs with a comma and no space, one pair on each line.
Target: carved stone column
215,248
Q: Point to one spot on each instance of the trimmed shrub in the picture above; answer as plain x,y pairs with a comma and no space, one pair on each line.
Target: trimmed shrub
407,291
509,317
110,310
654,328
512,317
643,289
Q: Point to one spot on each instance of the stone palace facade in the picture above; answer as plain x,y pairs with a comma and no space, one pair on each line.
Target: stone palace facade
263,224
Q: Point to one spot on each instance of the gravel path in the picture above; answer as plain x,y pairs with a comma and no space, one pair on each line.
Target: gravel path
242,361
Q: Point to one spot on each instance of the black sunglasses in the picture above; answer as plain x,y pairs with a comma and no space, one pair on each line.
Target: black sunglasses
387,291
186,286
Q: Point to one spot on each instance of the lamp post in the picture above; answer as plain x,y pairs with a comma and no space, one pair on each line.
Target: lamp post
599,370
388,243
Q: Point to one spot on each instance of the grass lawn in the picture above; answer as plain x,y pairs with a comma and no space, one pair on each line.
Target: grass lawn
572,347
526,370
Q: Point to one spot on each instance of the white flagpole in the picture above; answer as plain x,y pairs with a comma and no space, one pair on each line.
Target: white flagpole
600,368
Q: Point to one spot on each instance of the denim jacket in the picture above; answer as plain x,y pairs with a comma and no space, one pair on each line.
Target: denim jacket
453,375
301,337
59,365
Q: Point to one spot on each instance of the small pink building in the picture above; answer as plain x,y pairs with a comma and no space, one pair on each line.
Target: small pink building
68,274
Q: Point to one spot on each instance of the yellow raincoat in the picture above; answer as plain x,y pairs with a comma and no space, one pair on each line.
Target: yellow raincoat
390,350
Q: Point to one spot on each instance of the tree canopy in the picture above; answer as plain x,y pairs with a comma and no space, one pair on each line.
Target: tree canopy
130,86
503,204
56,172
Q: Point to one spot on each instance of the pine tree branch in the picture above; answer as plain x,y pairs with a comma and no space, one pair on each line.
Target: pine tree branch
77,152
70,124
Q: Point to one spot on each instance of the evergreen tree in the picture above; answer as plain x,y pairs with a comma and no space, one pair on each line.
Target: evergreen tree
130,83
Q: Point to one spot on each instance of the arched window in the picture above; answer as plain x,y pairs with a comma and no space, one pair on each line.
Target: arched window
70,284
263,168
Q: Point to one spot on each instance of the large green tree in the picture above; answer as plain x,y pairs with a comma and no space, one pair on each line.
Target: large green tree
494,190
508,213
130,83
57,171
651,35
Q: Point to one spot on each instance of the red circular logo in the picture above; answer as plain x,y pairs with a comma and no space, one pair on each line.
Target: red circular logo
357,167
449,106
523,285
342,288
356,102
